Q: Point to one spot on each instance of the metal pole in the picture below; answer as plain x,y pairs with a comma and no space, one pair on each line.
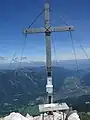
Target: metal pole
49,86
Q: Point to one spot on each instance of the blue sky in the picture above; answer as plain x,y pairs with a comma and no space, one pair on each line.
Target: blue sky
15,15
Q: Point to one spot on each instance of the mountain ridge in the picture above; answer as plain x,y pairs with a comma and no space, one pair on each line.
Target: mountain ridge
31,82
68,64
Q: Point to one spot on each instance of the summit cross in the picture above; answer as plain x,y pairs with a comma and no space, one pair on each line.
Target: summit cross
47,29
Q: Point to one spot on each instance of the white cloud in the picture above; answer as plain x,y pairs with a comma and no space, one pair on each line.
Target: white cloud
62,55
70,55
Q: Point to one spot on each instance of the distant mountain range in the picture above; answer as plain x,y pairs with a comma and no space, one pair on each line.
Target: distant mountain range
69,64
24,84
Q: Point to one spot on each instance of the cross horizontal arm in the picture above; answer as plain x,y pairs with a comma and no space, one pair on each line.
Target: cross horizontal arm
52,29
62,29
34,30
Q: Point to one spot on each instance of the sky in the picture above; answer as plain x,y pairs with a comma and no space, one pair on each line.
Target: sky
16,15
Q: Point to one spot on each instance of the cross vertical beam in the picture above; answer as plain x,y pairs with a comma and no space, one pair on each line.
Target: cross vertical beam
47,29
49,86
